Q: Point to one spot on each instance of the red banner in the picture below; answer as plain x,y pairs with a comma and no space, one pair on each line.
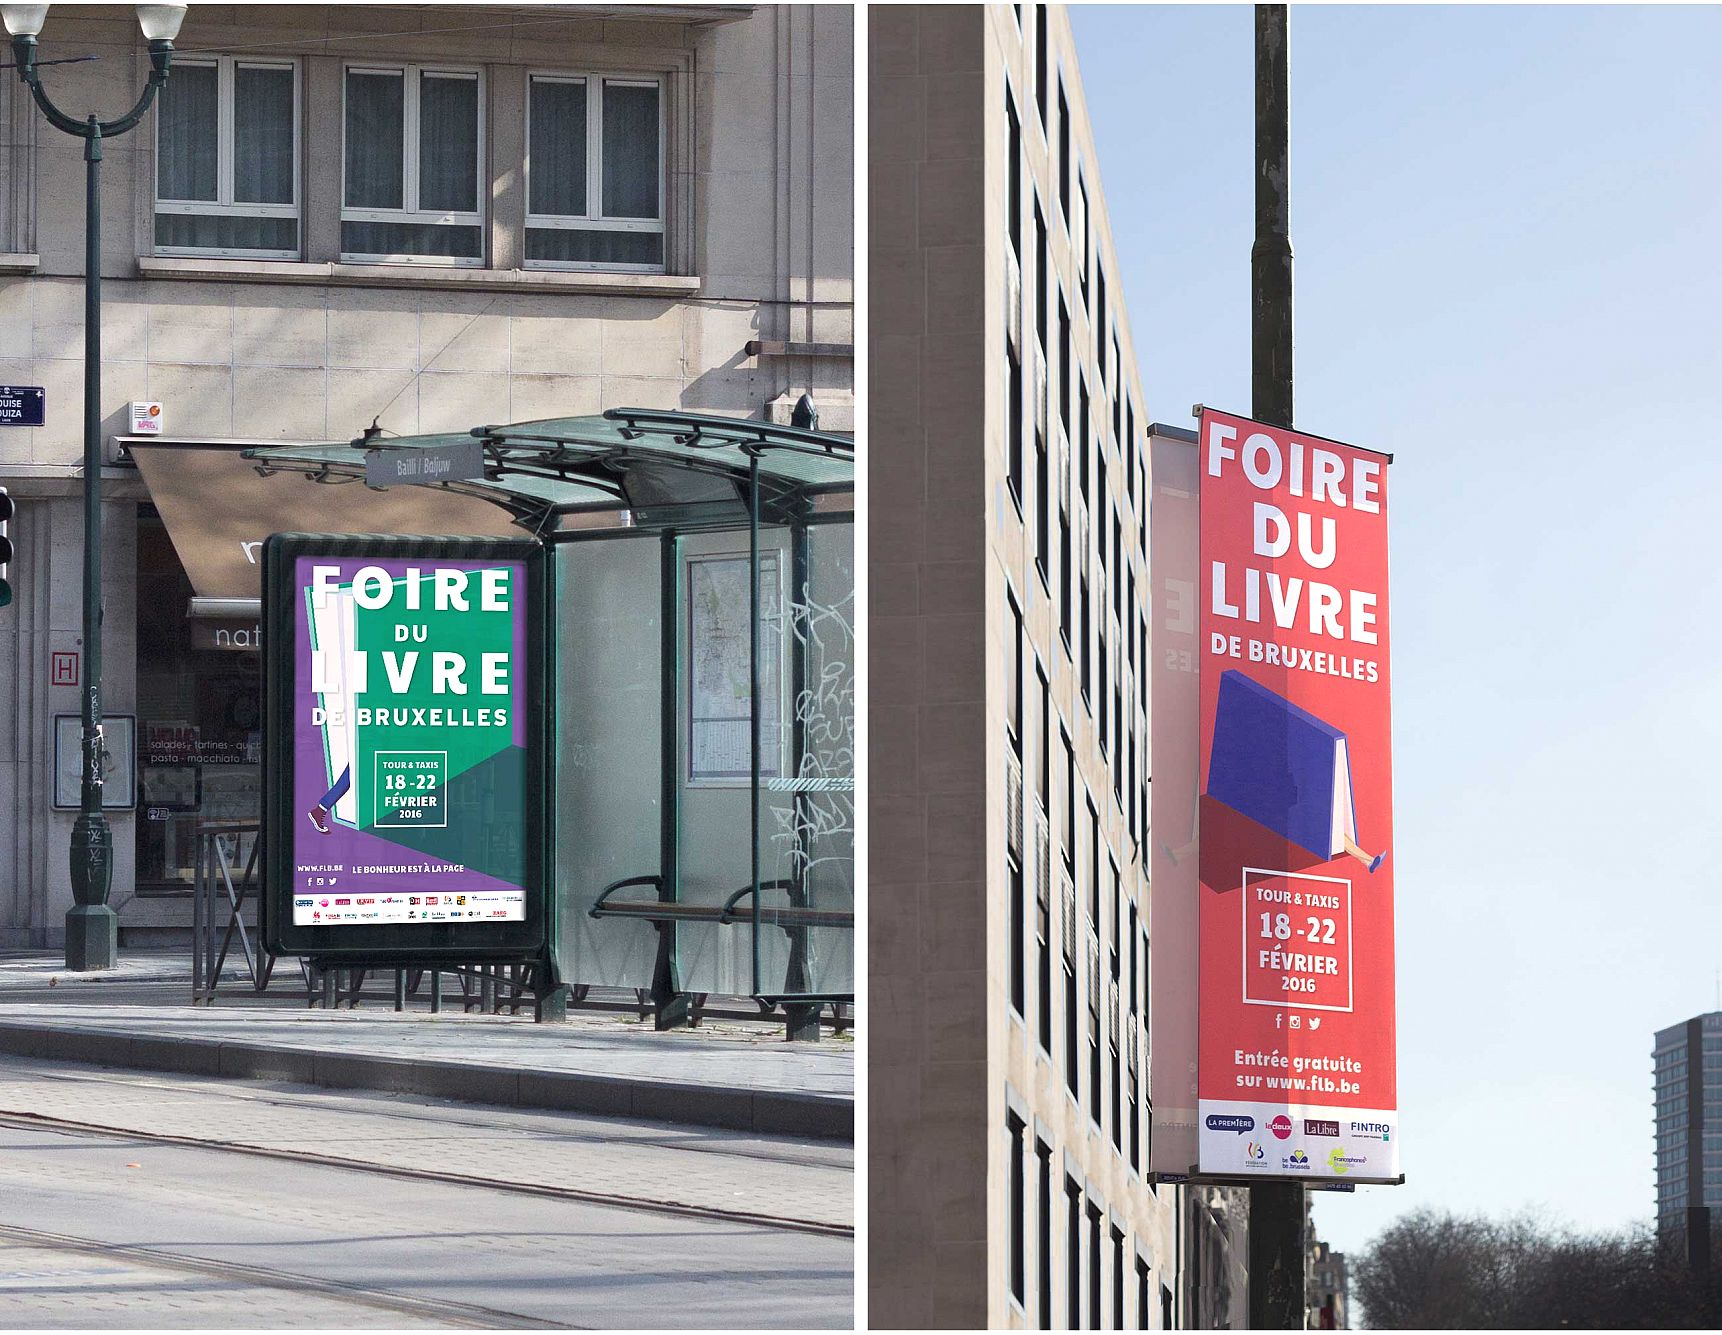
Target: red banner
1296,1059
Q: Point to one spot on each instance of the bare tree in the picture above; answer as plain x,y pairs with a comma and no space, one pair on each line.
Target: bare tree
1437,1270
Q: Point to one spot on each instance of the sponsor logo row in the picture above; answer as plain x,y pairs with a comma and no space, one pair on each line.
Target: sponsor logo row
1298,1160
321,909
1281,1126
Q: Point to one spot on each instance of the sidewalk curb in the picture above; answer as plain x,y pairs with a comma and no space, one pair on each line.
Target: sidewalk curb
769,1112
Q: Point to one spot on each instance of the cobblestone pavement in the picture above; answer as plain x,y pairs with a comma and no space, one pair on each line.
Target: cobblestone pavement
697,1167
293,1225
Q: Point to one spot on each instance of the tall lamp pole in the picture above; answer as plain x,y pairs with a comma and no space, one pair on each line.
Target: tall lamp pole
92,930
1276,1248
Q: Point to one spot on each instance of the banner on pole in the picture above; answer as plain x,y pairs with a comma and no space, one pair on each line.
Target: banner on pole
1296,1050
1175,698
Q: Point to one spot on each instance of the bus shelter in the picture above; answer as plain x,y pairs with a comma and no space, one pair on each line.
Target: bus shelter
699,649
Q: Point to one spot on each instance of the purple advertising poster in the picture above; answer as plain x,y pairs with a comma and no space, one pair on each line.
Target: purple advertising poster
409,721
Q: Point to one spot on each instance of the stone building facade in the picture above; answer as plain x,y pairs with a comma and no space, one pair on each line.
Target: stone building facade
429,217
1009,1108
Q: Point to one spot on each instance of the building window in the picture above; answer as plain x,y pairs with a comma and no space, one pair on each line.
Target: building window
1079,236
1043,943
1117,1279
1042,503
1063,154
1094,1262
1166,1314
1042,278
1100,323
227,159
1072,1052
1134,1055
1014,198
1018,1212
1043,1276
1085,461
1018,909
1013,391
1014,856
414,143
1069,848
1073,1253
595,173
1144,1313
1042,58
1105,729
1086,629
1112,1034
1065,361
1064,576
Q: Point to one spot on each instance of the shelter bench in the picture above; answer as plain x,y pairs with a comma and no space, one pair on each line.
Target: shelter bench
671,1005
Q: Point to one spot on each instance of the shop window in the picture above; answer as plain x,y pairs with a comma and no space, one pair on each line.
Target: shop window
200,719
413,148
227,179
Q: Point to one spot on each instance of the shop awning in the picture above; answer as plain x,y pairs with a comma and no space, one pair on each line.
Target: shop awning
218,510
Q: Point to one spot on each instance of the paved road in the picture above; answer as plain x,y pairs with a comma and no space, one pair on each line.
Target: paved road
149,1234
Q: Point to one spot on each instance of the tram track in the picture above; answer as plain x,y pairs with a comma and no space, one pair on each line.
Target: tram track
710,1213
439,1309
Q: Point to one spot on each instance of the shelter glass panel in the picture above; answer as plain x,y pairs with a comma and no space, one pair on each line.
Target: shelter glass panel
807,819
607,752
716,766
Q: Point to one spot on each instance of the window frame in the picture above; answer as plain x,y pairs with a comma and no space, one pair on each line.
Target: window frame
224,205
591,221
411,74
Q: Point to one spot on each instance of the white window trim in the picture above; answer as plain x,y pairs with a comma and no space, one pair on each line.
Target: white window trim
224,204
410,75
593,220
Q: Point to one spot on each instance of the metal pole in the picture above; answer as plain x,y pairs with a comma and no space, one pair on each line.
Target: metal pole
1276,1253
92,929
753,694
1271,256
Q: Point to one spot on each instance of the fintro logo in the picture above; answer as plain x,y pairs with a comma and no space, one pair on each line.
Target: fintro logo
1281,1127
1373,1130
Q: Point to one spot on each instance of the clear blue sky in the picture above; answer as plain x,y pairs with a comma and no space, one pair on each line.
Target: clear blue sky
1508,230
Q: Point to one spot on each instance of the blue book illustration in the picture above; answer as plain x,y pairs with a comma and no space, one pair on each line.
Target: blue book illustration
1285,769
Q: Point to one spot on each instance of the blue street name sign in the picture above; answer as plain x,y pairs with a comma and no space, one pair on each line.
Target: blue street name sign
22,405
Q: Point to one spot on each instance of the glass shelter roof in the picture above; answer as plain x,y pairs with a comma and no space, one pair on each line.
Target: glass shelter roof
670,469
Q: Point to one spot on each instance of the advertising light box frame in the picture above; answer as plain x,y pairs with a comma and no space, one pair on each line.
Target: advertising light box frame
521,939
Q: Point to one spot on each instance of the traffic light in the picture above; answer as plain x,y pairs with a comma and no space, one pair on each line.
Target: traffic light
6,509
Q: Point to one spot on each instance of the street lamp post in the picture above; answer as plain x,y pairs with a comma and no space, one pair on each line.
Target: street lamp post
1276,1249
92,930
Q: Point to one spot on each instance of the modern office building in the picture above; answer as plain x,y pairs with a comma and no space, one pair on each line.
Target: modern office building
1009,1107
429,217
1688,1093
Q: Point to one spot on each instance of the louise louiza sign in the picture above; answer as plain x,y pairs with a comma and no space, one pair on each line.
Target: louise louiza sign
1296,1068
406,800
